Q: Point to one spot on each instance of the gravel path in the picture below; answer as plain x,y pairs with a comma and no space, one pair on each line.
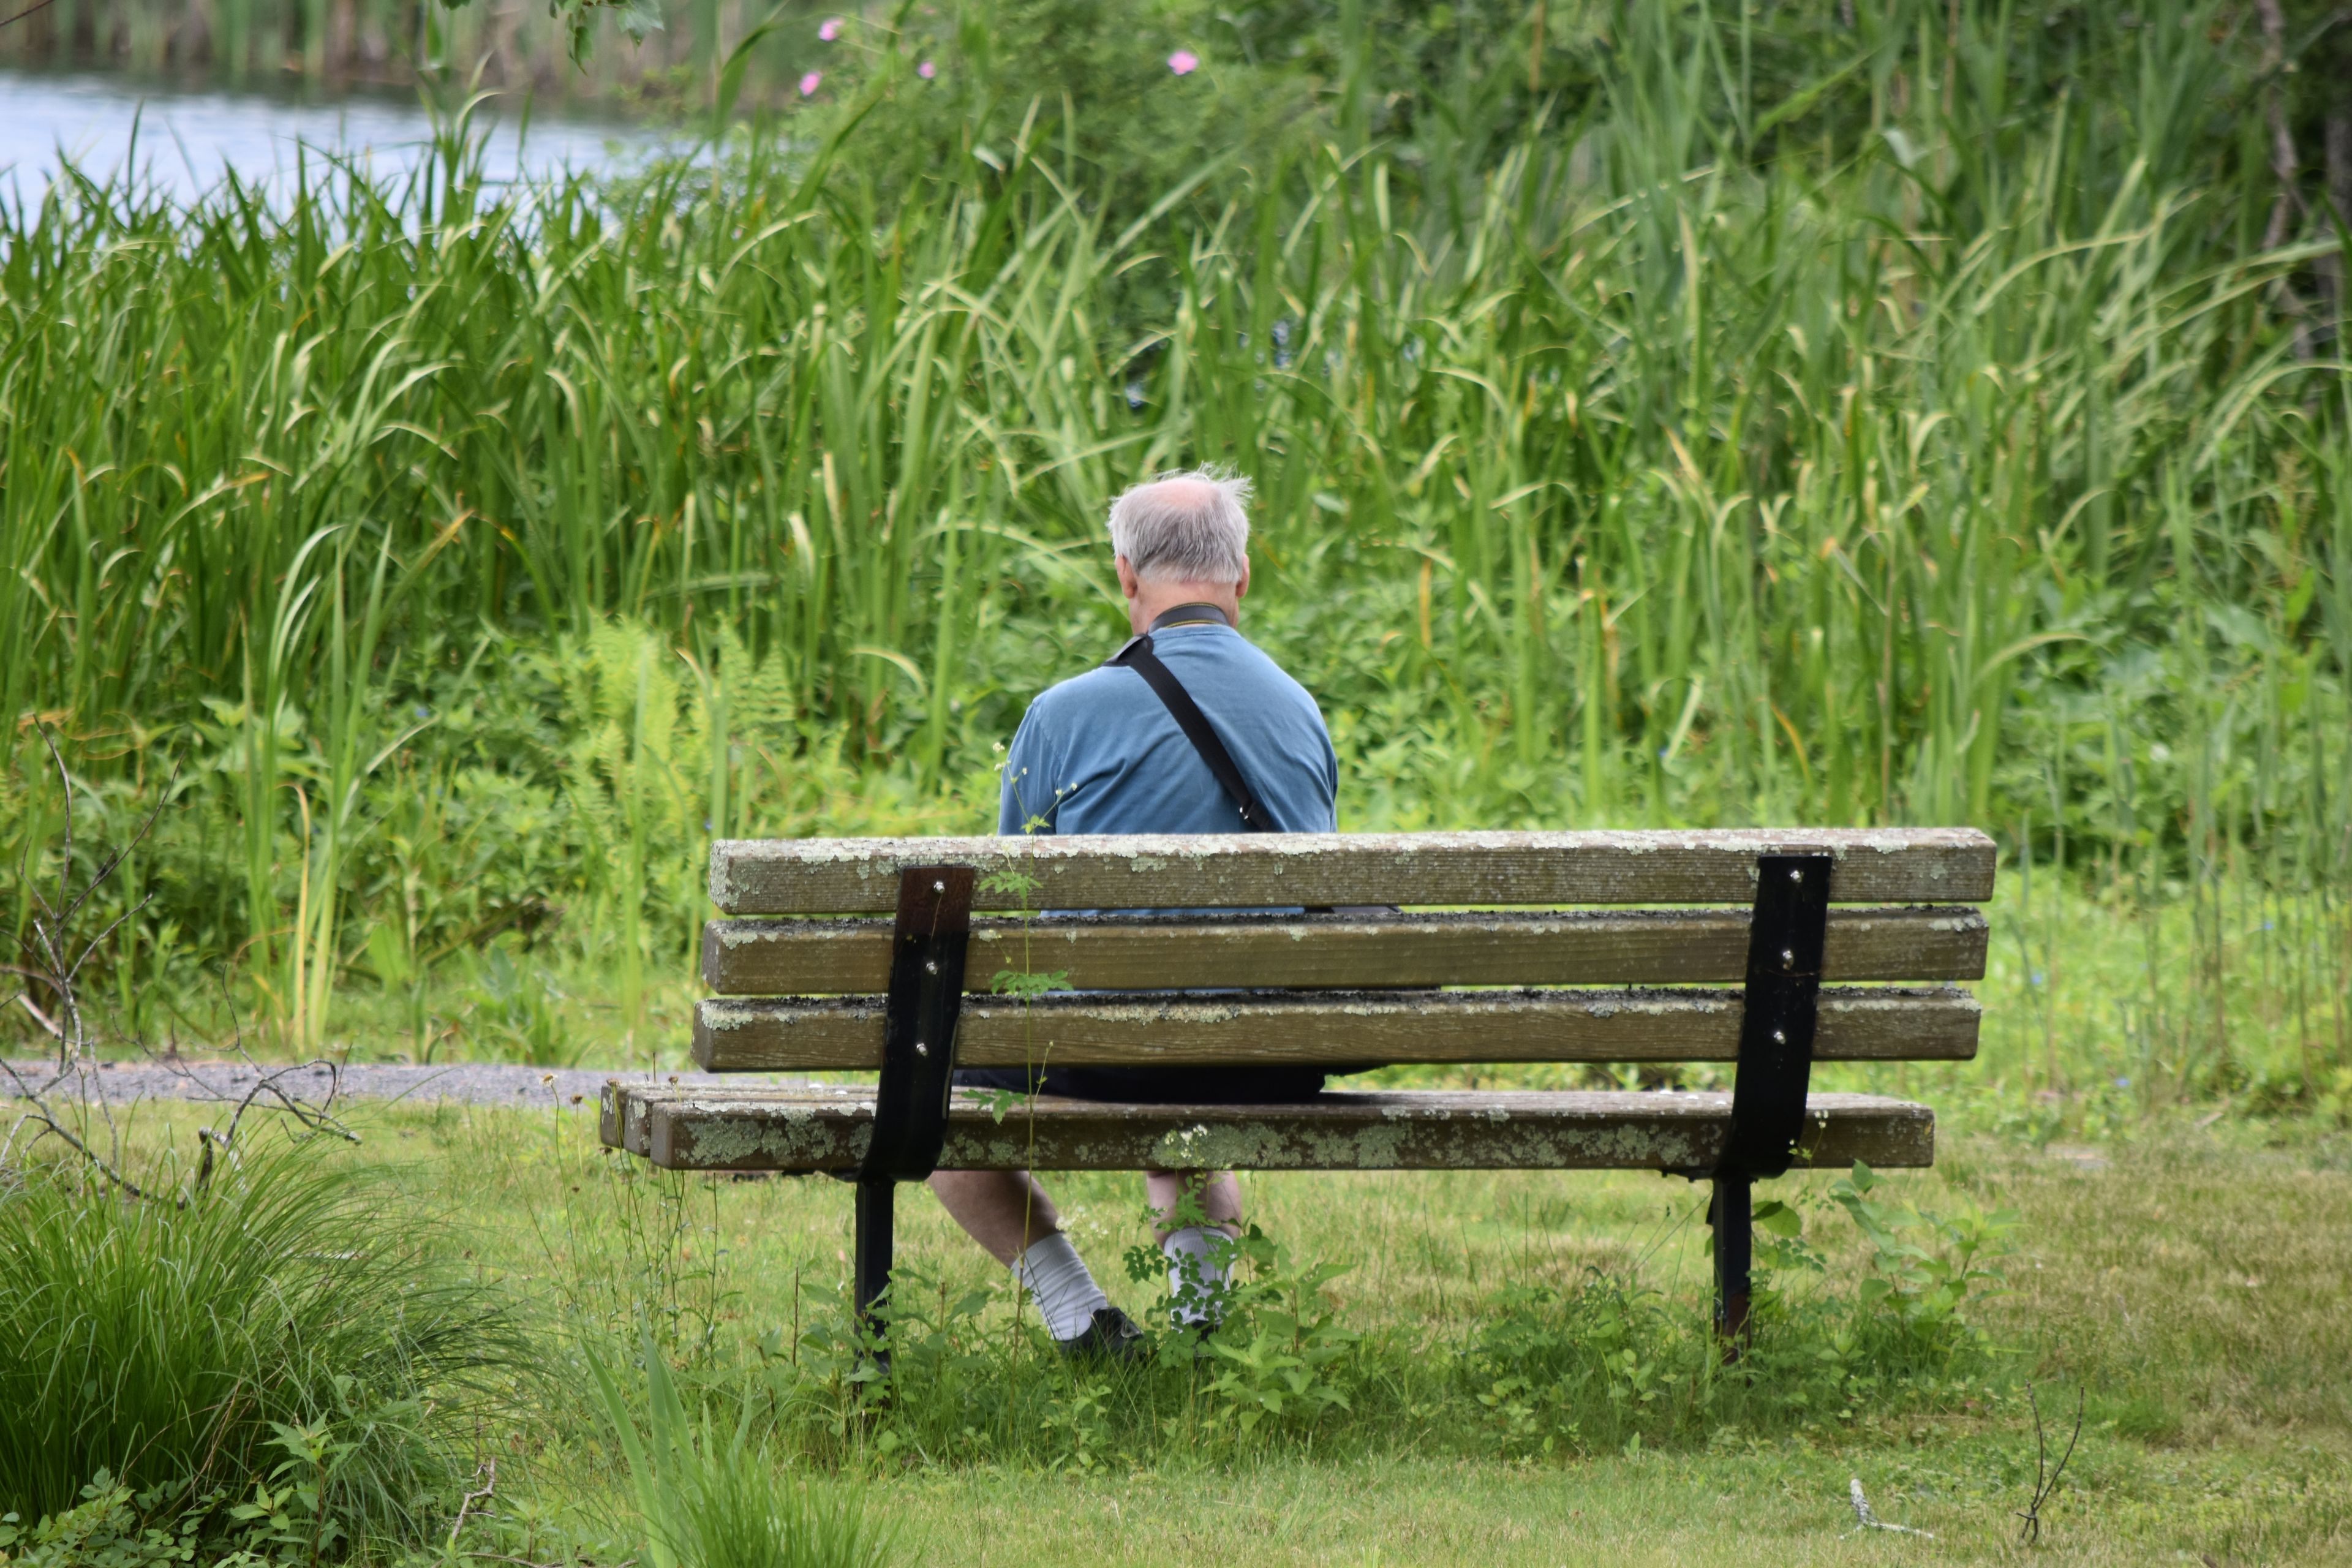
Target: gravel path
469,1083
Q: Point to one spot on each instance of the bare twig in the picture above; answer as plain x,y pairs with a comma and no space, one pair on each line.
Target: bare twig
25,1000
1865,1520
42,1116
54,958
2045,1480
35,6
487,1474
65,788
317,1116
2284,163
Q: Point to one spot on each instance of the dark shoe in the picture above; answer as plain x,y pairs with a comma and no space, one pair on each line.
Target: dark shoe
1112,1336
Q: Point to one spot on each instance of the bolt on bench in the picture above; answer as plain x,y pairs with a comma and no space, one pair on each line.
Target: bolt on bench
882,967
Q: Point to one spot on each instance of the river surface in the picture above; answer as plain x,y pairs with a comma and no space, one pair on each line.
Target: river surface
183,143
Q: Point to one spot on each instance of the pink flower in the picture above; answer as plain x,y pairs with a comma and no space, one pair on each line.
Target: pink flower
811,82
831,29
927,70
1183,62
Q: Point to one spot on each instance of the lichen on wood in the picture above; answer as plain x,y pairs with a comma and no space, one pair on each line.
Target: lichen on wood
852,875
815,1129
772,957
1349,1029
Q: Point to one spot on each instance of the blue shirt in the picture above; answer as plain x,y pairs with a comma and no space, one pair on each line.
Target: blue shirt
1100,752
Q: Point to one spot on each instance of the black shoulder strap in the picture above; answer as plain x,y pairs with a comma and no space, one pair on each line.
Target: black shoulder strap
1137,657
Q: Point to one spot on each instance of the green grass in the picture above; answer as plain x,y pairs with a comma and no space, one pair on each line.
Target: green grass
2216,1421
2185,1276
456,560
167,1343
712,1494
1712,1510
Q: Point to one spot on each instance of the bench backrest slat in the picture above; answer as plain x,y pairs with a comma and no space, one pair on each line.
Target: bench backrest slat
1337,1029
1637,947
800,988
1279,869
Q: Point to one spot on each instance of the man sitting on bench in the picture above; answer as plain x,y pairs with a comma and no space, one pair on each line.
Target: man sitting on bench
1189,729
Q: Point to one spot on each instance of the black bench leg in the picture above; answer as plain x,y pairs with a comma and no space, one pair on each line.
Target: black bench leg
1731,1215
875,1195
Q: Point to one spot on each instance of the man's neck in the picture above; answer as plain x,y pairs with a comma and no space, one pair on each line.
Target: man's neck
1158,599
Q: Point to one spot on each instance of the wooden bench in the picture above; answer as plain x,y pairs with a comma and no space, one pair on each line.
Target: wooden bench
1520,947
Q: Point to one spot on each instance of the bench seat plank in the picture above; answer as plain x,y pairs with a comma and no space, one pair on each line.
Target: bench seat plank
1116,953
815,1129
1241,870
1337,1027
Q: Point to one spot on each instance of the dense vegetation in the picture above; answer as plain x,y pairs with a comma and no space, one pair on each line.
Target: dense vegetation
161,1359
1909,413
1908,420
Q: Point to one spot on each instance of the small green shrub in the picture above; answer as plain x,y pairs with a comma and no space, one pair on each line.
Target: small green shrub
1585,1368
296,1516
1927,1268
967,1379
1279,1352
187,1346
109,1529
1608,1365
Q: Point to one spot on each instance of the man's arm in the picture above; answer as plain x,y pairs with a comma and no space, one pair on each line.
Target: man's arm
1330,779
1328,764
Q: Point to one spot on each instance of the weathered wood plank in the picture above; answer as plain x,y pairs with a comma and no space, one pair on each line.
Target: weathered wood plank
1115,952
1241,871
621,1119
816,1129
1356,1027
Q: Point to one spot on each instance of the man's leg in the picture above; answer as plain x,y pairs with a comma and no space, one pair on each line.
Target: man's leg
1005,1211
1218,1194
1010,1214
1194,1269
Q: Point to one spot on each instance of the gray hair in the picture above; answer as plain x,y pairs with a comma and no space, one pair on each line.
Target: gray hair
1188,527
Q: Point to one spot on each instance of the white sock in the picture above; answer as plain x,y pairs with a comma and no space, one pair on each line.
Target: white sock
1067,1296
1194,1276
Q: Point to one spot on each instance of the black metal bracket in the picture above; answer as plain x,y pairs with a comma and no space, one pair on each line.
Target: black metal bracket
1776,1029
919,1047
1730,1212
1785,937
918,1027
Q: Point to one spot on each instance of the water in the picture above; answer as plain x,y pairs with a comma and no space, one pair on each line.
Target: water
183,143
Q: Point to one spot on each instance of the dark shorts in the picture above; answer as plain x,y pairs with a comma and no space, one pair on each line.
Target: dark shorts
1156,1085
